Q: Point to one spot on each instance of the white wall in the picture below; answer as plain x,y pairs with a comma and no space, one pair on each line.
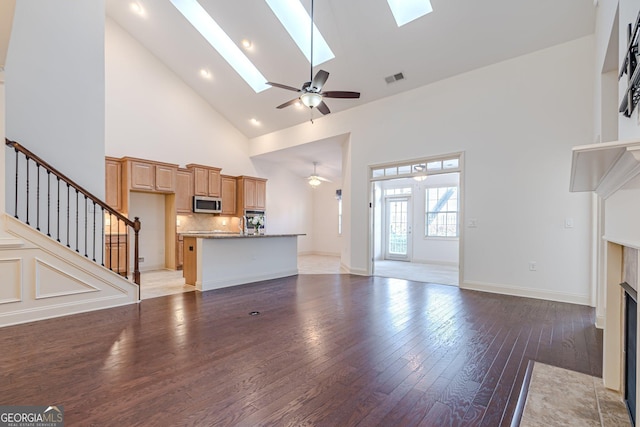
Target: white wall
289,204
516,122
151,113
55,86
326,240
152,235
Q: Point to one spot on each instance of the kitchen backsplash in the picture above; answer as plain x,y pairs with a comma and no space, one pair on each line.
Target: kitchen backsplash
207,222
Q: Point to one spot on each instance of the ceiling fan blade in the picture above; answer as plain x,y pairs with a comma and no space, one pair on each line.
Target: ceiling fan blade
319,80
322,107
283,86
306,85
286,104
340,94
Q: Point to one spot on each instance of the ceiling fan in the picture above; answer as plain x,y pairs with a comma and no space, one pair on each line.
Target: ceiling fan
311,93
315,179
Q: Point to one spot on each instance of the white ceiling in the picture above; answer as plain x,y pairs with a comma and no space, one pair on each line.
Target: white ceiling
459,36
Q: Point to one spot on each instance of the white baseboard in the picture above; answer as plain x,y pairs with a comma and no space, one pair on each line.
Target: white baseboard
527,292
319,253
600,322
435,262
356,271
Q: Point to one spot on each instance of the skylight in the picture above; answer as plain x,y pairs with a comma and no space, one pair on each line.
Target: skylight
297,22
405,11
211,31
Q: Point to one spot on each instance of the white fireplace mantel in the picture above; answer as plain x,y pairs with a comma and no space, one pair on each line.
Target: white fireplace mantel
604,168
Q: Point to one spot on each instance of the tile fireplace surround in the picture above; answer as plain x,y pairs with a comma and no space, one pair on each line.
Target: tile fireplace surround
622,266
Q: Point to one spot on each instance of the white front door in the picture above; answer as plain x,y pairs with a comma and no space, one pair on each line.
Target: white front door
398,228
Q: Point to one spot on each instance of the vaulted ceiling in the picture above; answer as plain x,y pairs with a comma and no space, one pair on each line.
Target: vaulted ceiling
458,36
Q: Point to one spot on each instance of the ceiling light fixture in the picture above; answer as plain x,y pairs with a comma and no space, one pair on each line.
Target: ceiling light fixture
422,172
246,43
311,99
205,74
221,42
255,121
314,182
295,19
136,8
405,11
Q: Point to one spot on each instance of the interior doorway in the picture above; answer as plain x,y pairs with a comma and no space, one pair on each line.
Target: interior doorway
416,213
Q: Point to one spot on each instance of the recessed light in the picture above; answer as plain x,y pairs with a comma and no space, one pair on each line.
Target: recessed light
205,74
255,121
136,8
246,43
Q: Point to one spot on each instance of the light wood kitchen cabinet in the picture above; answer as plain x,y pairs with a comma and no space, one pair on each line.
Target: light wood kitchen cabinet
115,254
251,194
113,183
184,191
206,180
228,184
150,176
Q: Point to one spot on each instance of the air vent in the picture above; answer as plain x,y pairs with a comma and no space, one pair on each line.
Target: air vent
394,78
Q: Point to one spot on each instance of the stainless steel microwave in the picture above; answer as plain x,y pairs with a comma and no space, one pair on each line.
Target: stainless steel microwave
203,204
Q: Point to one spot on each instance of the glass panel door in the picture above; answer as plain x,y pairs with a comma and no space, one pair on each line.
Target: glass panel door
398,228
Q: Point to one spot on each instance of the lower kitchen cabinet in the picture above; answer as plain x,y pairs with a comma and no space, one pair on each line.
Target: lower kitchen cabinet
115,254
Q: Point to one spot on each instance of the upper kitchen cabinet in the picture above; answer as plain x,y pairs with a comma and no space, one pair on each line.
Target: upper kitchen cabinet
184,191
206,180
251,194
113,183
228,184
147,175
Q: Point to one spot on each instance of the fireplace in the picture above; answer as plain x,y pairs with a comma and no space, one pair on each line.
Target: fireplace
630,347
620,362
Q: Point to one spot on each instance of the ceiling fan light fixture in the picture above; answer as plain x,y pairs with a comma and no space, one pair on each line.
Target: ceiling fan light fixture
311,99
314,181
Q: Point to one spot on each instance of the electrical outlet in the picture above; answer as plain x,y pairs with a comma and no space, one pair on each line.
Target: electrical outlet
533,266
568,223
472,223
141,259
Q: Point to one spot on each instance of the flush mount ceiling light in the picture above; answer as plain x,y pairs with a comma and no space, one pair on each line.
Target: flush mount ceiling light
255,121
405,11
221,42
136,8
205,74
422,172
295,19
246,43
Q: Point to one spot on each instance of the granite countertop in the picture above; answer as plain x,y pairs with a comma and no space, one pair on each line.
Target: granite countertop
214,235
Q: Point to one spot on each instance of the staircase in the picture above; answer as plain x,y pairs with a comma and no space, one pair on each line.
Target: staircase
70,252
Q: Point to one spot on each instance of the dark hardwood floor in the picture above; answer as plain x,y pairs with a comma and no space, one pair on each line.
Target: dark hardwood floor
326,350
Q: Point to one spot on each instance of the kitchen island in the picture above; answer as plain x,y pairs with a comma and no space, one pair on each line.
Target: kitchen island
213,260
